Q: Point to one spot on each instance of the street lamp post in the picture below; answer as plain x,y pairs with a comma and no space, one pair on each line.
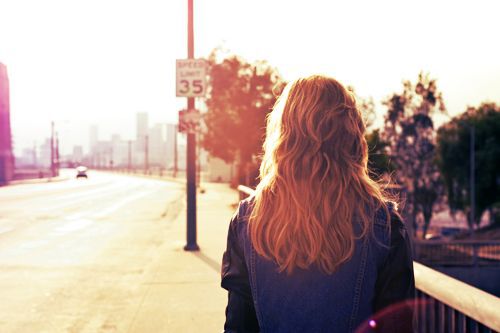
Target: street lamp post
52,150
56,148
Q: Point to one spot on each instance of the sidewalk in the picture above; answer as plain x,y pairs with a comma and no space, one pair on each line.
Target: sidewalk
183,292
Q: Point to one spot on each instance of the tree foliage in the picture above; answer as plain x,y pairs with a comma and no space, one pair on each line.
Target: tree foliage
239,97
409,132
379,162
454,146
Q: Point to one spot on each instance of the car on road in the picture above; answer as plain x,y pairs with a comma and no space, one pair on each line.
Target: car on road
81,172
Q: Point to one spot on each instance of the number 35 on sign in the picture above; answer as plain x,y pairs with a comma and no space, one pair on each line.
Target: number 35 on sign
191,77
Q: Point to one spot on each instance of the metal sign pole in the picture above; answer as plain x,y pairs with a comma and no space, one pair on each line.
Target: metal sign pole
191,152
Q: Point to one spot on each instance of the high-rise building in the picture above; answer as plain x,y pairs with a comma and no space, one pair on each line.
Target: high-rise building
157,147
120,151
142,140
93,138
6,155
171,142
142,126
77,154
45,154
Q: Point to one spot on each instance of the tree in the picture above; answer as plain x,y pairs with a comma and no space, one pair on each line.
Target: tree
240,96
454,147
409,132
379,162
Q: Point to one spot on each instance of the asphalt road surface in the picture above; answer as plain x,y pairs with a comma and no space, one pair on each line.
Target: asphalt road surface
72,253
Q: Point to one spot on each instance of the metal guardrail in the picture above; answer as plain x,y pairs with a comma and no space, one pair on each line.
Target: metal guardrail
445,304
449,305
458,252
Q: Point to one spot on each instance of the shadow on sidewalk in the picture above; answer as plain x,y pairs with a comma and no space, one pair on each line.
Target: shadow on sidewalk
215,265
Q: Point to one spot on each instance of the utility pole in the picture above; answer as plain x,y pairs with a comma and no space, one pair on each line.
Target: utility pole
129,165
57,154
111,160
146,154
472,151
52,151
191,152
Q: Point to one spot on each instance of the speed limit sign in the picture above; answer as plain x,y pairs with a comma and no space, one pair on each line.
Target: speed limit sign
191,77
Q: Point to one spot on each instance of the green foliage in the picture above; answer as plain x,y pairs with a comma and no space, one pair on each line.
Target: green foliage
454,159
239,98
379,162
409,132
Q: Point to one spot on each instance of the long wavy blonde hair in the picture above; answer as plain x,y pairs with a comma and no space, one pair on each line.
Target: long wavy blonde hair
314,182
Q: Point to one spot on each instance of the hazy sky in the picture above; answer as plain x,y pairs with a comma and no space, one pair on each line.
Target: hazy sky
101,61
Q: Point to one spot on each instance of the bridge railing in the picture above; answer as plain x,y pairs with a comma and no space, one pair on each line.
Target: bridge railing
445,304
457,252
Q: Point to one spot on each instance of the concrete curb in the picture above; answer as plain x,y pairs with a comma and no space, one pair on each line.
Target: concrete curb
38,180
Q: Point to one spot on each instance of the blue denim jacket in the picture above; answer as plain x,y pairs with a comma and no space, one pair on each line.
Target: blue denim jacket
261,298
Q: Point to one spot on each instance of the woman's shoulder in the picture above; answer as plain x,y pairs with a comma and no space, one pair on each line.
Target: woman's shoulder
390,230
245,207
395,232
390,226
394,218
242,213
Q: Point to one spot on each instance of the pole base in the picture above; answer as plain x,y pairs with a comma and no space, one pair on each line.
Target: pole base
191,247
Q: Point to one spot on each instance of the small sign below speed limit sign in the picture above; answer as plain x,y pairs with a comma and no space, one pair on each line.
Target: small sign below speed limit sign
191,77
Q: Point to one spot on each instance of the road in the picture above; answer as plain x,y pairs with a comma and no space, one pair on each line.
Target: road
73,253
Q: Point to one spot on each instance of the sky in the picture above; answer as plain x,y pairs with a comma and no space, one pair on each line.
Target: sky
101,61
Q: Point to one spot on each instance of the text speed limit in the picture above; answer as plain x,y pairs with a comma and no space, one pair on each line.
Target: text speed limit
191,77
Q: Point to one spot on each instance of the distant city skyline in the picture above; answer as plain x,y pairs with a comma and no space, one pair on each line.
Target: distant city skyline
158,139
65,70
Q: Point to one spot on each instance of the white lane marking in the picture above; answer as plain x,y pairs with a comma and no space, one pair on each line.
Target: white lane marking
75,216
34,244
78,221
73,226
83,196
119,204
4,230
